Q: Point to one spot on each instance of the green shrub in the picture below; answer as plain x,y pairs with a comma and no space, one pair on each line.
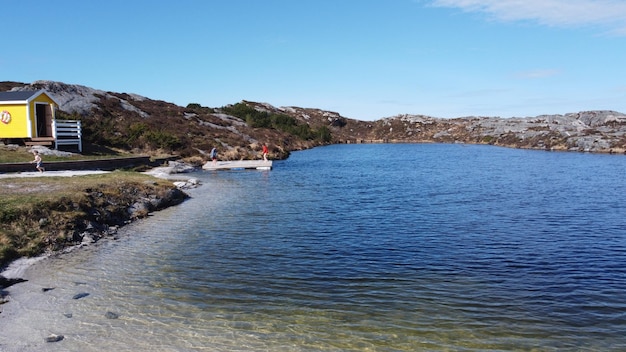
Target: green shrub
135,131
323,133
162,139
282,122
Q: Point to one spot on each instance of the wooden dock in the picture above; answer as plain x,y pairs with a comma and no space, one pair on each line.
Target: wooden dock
238,165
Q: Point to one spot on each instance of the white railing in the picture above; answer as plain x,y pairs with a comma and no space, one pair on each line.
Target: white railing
67,132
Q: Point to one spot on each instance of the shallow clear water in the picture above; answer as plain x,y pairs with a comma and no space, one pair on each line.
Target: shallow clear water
355,248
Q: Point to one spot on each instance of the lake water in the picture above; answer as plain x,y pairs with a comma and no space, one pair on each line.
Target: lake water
384,247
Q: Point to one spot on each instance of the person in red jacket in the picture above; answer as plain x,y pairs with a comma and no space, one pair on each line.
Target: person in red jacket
265,152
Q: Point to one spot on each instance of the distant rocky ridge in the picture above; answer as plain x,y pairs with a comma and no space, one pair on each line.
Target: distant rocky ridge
587,131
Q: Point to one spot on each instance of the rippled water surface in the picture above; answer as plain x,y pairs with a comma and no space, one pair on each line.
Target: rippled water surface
355,248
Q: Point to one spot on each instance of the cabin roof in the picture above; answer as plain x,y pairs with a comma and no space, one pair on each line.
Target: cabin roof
17,96
22,97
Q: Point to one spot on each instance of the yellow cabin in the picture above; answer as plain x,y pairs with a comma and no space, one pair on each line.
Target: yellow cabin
26,114
29,116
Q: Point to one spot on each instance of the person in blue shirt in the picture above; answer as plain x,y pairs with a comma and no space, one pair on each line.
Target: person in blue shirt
214,155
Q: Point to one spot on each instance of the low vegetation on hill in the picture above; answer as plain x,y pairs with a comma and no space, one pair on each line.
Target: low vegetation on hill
120,121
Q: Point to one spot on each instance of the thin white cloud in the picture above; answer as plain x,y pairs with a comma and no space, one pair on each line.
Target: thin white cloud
608,14
536,74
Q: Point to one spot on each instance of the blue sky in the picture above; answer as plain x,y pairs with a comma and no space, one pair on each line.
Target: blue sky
365,59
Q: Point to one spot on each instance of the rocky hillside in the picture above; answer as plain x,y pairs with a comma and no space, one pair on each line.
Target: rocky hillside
139,124
129,122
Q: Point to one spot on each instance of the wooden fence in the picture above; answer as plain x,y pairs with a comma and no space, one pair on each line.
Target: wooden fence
67,132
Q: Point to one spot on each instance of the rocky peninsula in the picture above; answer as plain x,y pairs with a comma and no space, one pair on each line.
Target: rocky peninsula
82,210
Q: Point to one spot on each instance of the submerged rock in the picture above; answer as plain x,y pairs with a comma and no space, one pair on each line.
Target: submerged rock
80,295
111,315
54,338
187,184
4,282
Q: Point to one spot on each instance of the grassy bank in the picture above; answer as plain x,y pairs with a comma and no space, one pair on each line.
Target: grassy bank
49,213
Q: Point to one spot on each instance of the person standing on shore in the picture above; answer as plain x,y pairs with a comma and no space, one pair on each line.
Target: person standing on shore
265,152
214,155
38,162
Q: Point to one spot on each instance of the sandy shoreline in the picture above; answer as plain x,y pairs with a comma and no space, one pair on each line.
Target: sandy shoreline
36,316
